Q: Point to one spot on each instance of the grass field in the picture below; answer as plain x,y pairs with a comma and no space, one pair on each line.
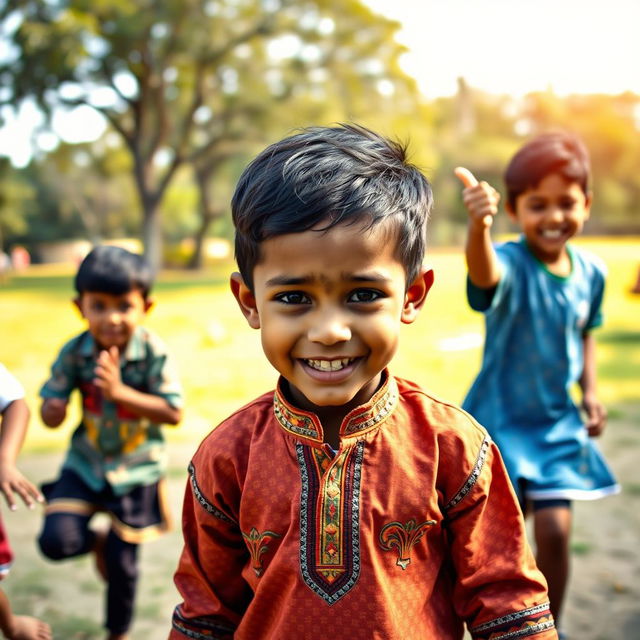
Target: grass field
220,357
222,367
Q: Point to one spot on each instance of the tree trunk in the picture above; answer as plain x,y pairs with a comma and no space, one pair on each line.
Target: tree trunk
152,235
208,211
197,257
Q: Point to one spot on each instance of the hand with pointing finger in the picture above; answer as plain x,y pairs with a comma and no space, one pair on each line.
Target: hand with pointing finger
480,199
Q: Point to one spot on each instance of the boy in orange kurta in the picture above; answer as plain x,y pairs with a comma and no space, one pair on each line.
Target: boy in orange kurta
348,503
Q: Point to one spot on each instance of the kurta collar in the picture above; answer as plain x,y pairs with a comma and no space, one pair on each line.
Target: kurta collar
306,425
134,351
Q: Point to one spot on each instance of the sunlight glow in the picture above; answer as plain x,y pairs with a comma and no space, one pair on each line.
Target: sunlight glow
519,46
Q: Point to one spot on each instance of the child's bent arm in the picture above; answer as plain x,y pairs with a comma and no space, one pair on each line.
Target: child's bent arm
14,428
596,412
146,405
15,420
53,411
481,201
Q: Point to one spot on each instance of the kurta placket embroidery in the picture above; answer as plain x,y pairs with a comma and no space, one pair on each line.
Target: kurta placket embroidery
330,492
330,521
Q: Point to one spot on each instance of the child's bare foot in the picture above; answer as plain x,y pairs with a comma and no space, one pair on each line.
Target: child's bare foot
98,551
27,628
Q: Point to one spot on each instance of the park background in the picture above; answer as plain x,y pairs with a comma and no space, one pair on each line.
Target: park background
130,122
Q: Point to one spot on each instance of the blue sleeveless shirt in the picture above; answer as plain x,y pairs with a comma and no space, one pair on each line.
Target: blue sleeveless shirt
533,356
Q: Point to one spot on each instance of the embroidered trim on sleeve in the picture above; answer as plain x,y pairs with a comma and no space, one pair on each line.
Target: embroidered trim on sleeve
473,476
520,624
201,628
206,505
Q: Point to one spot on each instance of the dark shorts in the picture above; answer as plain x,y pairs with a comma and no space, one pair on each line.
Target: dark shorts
554,502
137,516
536,505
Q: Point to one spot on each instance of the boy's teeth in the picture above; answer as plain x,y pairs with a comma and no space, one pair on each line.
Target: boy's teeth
329,365
552,233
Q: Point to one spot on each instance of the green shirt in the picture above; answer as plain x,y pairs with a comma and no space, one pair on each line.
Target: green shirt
111,444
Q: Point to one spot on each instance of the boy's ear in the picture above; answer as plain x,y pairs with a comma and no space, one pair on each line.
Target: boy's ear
77,303
416,295
510,211
246,300
587,204
148,304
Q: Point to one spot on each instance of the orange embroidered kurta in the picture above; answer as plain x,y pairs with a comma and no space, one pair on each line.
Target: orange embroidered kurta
409,531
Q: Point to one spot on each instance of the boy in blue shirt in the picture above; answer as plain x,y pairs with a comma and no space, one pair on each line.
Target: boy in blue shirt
117,458
541,298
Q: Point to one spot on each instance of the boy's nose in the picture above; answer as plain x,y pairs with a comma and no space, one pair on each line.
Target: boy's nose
114,317
329,328
556,214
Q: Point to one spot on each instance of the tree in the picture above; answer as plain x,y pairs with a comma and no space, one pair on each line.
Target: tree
185,81
13,192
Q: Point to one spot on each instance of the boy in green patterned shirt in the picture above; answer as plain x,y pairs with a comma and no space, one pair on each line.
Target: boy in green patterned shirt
116,460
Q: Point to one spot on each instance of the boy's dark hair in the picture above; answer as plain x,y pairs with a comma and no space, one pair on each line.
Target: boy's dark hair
328,176
560,152
108,269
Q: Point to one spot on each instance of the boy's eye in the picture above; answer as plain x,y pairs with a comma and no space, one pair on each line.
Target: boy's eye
537,206
97,306
123,307
365,295
293,297
568,204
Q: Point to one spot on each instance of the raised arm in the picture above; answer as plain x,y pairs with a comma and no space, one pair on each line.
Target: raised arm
481,201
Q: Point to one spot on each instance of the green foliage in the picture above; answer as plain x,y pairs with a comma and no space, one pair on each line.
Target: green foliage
192,90
195,83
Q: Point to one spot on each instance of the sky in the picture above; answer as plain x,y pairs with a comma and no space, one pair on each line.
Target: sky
518,46
500,46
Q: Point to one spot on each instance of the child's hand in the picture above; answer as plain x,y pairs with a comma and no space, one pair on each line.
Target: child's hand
107,373
53,411
12,482
480,198
596,416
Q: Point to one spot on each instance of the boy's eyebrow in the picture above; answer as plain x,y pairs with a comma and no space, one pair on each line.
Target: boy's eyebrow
370,276
367,276
279,281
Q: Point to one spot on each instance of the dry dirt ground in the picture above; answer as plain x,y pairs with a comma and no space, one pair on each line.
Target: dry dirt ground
603,602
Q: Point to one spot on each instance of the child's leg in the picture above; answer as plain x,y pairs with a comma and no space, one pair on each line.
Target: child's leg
552,531
70,506
122,576
66,535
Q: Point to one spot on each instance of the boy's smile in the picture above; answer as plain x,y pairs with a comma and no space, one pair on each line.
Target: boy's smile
329,306
551,214
111,318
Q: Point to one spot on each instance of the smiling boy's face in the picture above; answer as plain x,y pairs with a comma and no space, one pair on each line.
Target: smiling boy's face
550,214
111,318
329,306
